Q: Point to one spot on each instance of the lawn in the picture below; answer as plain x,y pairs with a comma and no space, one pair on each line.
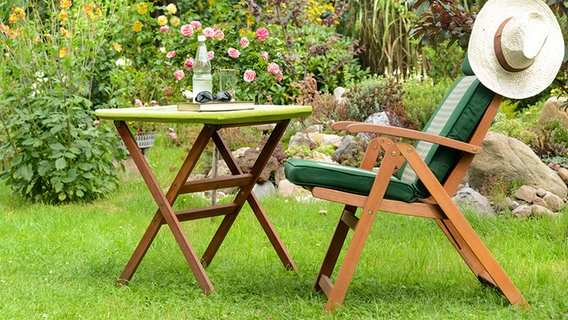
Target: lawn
61,262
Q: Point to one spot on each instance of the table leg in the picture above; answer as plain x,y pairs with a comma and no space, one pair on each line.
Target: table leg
165,203
246,194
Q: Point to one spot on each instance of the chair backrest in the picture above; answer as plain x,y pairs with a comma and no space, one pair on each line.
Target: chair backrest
457,117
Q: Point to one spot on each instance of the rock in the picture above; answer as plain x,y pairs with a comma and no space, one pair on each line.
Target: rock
338,93
508,157
316,155
300,139
551,111
314,128
288,189
539,202
526,193
347,147
553,202
539,211
541,192
264,189
380,118
563,174
248,160
522,211
279,175
468,196
325,139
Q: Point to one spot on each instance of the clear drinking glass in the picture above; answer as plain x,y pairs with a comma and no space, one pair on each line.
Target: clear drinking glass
228,81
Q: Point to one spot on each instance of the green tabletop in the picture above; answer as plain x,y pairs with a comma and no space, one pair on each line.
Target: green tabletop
168,114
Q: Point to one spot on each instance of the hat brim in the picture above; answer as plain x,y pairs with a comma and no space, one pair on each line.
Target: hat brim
481,54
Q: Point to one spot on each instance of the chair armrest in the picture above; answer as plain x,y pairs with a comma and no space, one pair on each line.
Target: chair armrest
342,125
355,127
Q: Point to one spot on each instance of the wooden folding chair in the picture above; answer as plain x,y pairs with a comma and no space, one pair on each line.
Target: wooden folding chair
429,174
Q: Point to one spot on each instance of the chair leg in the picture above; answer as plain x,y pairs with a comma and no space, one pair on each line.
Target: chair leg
343,279
334,249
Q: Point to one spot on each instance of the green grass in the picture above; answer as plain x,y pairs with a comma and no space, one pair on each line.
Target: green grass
61,262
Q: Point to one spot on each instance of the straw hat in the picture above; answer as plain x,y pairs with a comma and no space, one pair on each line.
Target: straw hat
516,47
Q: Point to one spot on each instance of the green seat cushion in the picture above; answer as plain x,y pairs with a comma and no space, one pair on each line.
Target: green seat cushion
309,173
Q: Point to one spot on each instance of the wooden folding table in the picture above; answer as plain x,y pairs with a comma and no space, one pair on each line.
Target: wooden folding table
212,123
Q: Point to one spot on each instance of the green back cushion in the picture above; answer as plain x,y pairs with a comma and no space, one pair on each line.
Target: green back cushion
456,118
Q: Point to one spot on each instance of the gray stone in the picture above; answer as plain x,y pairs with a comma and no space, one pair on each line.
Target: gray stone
299,139
468,196
510,158
264,189
379,118
553,202
347,147
338,93
526,193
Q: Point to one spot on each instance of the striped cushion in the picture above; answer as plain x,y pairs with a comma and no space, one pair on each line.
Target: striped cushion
456,118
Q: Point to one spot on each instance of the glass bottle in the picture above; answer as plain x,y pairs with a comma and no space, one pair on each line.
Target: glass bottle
202,80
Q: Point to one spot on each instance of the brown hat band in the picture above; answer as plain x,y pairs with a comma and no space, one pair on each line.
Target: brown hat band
499,51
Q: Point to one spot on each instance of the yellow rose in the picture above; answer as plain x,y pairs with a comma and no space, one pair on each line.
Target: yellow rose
172,9
162,20
137,26
142,8
175,21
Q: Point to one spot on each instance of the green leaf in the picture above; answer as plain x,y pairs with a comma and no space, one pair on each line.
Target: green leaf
62,196
43,168
71,176
85,166
57,146
25,173
60,164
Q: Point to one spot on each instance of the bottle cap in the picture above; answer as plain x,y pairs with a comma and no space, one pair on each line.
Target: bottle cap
201,38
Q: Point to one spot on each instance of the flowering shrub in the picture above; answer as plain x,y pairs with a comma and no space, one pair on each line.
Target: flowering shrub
55,152
268,54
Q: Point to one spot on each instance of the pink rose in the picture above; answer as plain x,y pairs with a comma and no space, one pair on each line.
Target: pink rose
164,28
178,74
138,103
273,68
172,133
233,53
171,54
262,33
188,64
249,76
264,55
186,30
211,55
196,25
244,42
219,34
279,77
209,33
154,103
96,122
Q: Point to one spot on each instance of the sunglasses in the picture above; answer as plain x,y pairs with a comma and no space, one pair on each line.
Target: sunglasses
206,96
